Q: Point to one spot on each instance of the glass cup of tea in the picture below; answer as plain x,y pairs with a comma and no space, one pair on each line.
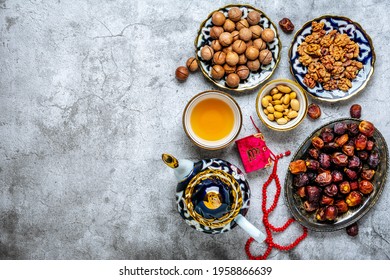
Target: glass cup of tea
212,119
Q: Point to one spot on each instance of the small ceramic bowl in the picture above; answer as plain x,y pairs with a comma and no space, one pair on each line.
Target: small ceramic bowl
220,143
301,96
255,78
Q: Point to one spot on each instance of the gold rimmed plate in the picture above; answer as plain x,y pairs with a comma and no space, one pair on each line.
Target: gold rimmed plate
366,56
295,203
255,78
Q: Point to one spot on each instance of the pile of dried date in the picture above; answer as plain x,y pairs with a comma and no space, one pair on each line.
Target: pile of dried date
336,172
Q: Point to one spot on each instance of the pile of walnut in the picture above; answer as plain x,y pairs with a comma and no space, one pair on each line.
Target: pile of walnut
330,58
239,46
336,173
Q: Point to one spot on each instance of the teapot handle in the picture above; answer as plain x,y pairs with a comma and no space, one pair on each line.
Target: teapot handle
249,228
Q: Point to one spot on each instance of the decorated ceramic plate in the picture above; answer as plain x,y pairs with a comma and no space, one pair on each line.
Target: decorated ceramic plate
255,78
308,219
365,55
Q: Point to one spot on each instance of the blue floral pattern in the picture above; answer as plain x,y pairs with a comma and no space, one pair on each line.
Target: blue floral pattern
366,57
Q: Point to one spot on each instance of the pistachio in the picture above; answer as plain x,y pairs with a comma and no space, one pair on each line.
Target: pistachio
281,121
264,102
294,104
293,95
286,99
269,97
284,89
270,109
277,96
276,102
278,115
281,104
279,108
292,114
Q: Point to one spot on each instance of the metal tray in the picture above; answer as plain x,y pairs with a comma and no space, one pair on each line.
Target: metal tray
295,203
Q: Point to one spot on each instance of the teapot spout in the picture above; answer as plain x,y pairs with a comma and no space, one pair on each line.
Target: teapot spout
170,160
181,170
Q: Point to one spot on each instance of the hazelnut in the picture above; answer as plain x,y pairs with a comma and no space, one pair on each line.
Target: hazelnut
260,44
232,80
256,31
232,58
242,72
219,58
242,24
252,53
215,31
206,52
216,45
268,35
227,49
229,25
192,64
217,72
235,14
239,46
218,18
242,59
253,17
181,73
229,69
265,57
236,35
245,34
225,39
253,65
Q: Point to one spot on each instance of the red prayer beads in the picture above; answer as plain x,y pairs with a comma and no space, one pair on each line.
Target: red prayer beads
266,212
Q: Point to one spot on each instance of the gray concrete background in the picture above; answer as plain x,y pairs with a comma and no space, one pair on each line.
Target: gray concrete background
88,102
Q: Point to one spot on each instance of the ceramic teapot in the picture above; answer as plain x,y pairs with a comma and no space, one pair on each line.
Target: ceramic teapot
212,195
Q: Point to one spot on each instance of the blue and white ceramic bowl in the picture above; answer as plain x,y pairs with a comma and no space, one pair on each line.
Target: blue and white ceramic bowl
366,57
255,78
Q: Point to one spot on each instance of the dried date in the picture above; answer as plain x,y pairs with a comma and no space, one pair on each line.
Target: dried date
314,111
286,25
356,111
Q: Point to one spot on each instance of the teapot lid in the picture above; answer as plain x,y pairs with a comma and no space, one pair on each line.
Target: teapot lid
213,198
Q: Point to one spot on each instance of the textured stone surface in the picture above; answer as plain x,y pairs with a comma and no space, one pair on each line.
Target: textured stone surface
88,102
